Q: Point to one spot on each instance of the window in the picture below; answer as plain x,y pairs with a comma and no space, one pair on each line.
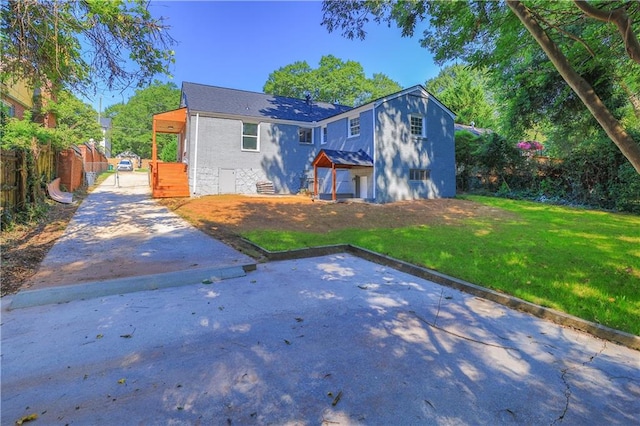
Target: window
417,126
324,135
418,174
354,126
8,109
250,137
305,135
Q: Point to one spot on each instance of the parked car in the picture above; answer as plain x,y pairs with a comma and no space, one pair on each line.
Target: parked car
125,166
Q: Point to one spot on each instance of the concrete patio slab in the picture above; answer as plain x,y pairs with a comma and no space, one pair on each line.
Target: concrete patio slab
328,340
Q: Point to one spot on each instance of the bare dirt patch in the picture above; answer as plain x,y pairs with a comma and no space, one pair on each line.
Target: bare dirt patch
227,216
23,247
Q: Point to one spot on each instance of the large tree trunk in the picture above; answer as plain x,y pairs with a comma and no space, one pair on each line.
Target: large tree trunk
611,125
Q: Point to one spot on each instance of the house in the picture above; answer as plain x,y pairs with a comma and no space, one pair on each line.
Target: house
395,148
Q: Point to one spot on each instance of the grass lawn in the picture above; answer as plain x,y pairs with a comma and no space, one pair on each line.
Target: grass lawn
582,262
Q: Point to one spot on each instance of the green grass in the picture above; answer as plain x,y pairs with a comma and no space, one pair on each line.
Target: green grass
582,262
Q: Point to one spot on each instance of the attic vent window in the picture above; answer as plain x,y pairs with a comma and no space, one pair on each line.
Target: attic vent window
417,126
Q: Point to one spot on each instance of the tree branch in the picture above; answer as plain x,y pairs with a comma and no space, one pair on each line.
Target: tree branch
621,20
582,88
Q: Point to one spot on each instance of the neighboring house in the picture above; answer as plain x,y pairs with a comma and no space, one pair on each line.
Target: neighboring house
395,148
16,99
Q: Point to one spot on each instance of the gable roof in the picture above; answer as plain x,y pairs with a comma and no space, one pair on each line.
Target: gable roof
213,99
326,157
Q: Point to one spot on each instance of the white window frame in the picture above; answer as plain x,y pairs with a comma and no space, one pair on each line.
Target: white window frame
257,136
423,127
350,127
323,135
306,129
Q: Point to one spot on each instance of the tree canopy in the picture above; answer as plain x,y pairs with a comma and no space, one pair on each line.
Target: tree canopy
132,122
75,124
78,45
558,60
334,81
466,91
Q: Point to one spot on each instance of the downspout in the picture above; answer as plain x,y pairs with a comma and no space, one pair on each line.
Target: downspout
195,156
373,183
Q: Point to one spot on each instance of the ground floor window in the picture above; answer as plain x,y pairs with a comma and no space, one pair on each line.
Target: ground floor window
418,174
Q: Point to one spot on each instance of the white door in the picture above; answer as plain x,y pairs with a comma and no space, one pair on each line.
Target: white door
363,187
227,181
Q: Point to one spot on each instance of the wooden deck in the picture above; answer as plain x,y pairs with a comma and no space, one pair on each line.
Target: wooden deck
169,180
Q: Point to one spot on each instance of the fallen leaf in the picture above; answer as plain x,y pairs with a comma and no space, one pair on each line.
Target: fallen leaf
99,336
122,381
28,418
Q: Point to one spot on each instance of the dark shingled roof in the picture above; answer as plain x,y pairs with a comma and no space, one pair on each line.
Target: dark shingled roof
203,98
346,158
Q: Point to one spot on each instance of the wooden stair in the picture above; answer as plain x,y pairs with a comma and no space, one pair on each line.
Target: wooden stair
172,181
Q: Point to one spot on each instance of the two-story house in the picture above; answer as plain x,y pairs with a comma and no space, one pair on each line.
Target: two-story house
395,148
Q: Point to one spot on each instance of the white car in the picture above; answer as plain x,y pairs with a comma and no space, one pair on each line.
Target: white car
125,166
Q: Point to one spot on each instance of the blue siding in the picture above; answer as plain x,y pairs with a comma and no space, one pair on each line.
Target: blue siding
398,151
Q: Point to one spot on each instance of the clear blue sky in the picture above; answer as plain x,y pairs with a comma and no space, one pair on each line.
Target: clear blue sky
238,44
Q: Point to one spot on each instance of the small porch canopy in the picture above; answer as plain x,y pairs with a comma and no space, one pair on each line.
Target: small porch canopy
332,159
173,122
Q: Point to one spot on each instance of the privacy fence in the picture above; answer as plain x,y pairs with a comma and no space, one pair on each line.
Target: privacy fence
25,173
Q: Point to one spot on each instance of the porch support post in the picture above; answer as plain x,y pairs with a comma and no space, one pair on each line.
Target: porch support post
333,182
154,157
315,181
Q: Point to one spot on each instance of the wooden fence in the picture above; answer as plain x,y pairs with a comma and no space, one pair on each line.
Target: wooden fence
20,183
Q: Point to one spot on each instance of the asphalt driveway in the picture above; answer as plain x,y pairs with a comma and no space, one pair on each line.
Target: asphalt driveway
327,340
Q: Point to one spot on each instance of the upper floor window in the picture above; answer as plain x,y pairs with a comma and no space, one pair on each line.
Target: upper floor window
417,126
323,139
354,126
305,135
250,137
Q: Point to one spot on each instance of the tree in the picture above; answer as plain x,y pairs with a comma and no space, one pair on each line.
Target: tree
585,52
466,92
334,81
132,122
76,121
78,44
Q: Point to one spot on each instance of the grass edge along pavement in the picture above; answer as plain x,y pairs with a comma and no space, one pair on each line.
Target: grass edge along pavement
584,263
620,337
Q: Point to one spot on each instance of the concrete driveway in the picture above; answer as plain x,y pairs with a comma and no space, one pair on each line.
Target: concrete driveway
327,340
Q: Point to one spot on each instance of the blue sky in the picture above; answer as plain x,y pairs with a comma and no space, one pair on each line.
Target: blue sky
238,44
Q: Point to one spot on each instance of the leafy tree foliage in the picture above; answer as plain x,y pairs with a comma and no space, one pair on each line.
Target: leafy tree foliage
466,92
76,121
132,122
333,81
598,61
76,44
